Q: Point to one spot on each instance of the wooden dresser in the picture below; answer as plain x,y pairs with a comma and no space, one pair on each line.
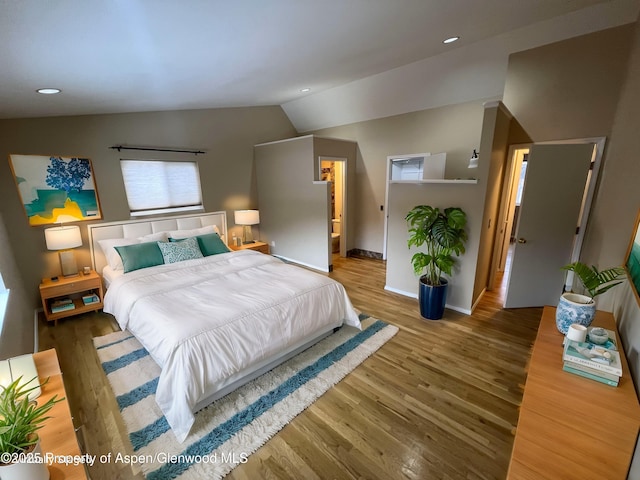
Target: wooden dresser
571,427
57,436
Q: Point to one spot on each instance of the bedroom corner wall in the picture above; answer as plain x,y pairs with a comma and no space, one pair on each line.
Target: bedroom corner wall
226,169
454,129
293,209
601,72
17,328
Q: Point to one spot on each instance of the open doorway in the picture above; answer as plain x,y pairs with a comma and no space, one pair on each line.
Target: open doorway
566,174
333,170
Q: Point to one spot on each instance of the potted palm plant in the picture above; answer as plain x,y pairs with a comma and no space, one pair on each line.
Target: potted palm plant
20,419
442,233
578,308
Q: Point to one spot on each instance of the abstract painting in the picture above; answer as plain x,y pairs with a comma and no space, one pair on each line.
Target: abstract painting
632,263
56,189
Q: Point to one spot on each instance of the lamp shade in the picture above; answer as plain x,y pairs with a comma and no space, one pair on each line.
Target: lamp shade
246,217
62,238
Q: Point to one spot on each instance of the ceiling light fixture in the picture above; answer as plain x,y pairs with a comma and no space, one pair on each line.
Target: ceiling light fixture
48,91
305,90
451,39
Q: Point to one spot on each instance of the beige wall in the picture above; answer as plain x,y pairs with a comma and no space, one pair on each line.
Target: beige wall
612,219
296,205
495,134
586,87
226,169
574,89
568,89
453,129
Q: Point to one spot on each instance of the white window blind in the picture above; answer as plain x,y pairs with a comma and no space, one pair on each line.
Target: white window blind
158,187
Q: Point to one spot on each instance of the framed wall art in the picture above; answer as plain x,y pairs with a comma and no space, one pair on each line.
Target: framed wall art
632,262
55,189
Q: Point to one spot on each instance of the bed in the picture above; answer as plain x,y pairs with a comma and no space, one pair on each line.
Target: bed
213,323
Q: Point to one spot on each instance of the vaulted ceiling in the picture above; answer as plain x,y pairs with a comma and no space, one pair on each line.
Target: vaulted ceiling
360,59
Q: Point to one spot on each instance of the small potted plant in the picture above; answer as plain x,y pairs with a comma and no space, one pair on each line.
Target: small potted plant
443,234
577,308
20,419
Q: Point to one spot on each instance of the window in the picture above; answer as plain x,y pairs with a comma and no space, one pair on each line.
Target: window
158,187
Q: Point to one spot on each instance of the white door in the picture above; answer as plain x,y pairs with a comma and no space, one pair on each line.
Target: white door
554,189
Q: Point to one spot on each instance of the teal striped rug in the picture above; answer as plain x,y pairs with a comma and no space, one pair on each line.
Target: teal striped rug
233,427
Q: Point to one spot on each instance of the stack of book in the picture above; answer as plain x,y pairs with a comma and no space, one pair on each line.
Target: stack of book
89,299
596,362
62,304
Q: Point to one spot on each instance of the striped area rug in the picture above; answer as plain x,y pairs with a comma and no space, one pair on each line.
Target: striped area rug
233,427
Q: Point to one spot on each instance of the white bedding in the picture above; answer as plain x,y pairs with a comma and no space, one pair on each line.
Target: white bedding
206,320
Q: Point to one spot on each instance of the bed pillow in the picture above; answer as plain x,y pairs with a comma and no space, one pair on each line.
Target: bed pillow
186,249
179,234
140,255
114,259
155,237
210,244
108,248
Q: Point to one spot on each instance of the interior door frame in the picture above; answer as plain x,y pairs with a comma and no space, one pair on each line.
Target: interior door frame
596,161
509,183
344,219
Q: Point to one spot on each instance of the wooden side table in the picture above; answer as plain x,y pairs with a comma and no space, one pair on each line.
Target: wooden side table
261,247
74,288
57,435
572,427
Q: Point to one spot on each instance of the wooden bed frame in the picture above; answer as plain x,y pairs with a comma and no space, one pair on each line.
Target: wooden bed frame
137,228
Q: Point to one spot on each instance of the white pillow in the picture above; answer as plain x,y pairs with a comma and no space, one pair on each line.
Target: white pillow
111,254
180,234
155,237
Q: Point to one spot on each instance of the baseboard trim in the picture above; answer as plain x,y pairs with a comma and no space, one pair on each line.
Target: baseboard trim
466,311
400,292
475,304
357,252
308,265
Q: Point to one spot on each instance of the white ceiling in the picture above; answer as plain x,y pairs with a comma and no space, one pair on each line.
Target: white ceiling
112,56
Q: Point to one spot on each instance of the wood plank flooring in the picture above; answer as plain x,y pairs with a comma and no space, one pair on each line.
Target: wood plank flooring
438,401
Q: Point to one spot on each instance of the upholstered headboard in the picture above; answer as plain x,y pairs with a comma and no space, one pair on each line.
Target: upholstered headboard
138,228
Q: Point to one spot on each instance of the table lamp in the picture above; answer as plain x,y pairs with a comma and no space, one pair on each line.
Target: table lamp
22,367
246,218
64,239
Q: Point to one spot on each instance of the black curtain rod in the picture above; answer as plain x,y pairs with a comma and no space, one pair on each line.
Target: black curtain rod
151,149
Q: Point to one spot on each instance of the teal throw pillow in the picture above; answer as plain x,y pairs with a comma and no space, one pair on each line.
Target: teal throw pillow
210,244
187,249
140,255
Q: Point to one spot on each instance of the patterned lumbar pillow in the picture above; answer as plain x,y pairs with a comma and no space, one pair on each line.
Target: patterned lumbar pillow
180,251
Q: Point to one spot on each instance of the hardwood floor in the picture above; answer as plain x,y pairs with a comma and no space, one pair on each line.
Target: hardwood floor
439,400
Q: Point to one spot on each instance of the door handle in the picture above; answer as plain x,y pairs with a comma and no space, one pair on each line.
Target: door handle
522,240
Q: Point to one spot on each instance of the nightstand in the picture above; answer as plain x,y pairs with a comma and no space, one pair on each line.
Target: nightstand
73,291
257,246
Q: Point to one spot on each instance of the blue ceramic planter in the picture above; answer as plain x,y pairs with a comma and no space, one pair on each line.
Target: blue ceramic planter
574,308
432,299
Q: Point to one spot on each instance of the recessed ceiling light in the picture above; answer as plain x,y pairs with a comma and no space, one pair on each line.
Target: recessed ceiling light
451,39
305,90
48,91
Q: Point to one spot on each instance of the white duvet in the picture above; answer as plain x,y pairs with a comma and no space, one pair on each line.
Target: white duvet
208,321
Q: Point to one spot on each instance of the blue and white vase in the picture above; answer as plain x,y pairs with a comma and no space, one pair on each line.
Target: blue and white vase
574,308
